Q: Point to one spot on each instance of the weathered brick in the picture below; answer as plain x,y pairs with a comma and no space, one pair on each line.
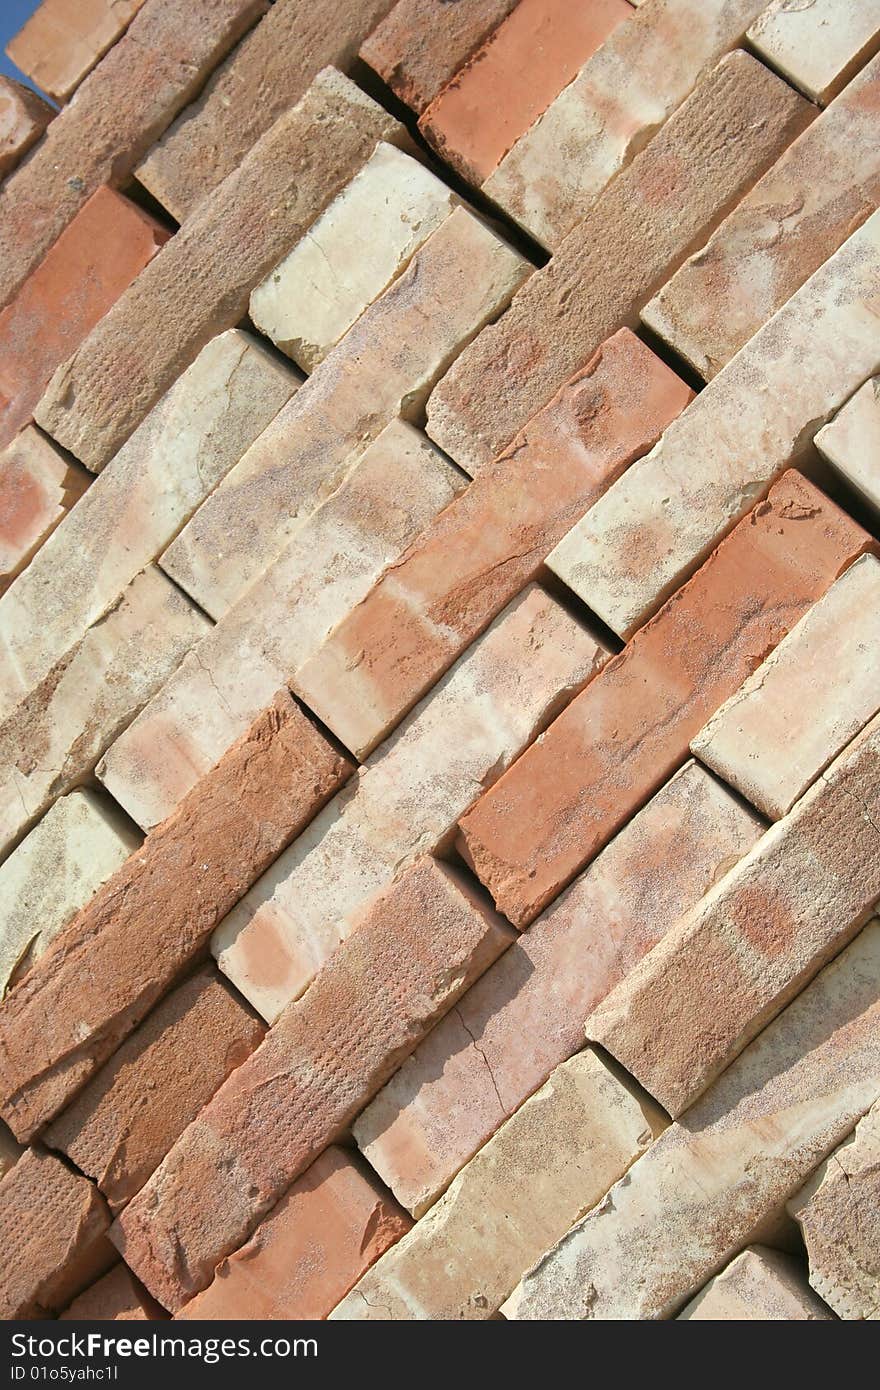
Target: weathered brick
804,703
652,527
629,730
796,216
650,218
413,951
63,40
267,74
92,263
622,96
494,99
462,277
118,1130
53,1225
320,1238
38,486
128,946
481,551
818,46
760,1285
202,282
190,439
126,102
692,1201
852,441
730,964
525,1016
223,683
23,119
117,1297
405,802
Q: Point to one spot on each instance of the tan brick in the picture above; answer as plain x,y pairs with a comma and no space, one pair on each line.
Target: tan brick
117,1297
131,943
760,1285
63,40
23,119
852,442
818,46
414,949
202,282
38,486
650,218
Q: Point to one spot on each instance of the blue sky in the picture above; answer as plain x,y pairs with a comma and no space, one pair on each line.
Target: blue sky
13,14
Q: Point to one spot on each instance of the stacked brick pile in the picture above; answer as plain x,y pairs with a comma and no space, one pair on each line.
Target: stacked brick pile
440,660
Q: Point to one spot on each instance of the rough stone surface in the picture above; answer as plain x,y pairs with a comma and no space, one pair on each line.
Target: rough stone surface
384,367
362,242
655,524
54,872
563,799
652,216
393,490
824,185
136,936
806,701
852,441
202,282
837,1212
414,949
335,1221
267,74
552,1161
120,109
122,1125
818,46
117,1297
760,1285
38,486
53,1224
63,40
23,119
730,964
525,1016
497,699
478,553
621,97
692,1201
92,263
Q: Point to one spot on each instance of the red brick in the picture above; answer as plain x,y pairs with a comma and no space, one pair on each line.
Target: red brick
616,742
117,1297
64,39
128,945
38,486
23,118
414,949
334,1223
94,260
489,543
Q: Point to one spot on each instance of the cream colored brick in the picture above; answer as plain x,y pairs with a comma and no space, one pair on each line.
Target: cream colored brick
852,441
819,45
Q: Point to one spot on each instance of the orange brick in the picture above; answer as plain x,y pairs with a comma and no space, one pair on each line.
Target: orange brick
64,39
117,1297
37,489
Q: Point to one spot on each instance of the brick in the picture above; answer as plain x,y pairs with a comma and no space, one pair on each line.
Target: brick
494,99
646,534
552,1161
852,441
818,192
131,943
652,216
384,367
818,46
219,687
52,739
799,710
117,1297
730,964
10,1150
525,1016
630,729
837,1212
267,74
202,283
63,40
422,44
23,119
481,551
606,116
80,842
38,486
54,1226
695,1197
121,108
415,948
187,443
320,1238
93,262
760,1285
362,242
497,699
118,1130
